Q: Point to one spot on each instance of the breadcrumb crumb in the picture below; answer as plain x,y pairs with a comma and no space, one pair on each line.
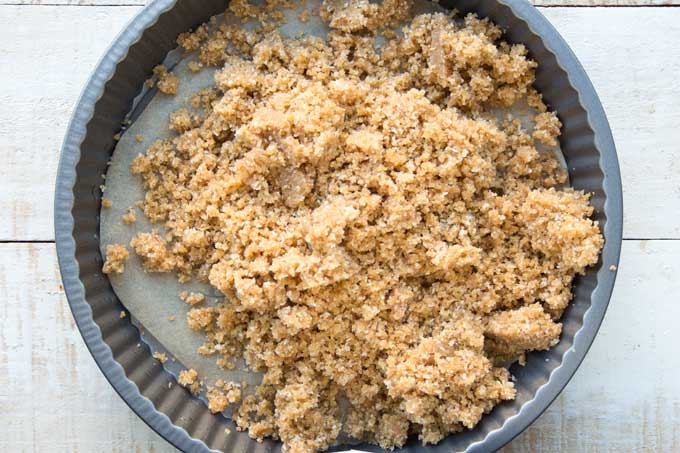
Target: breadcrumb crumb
152,248
160,356
195,66
181,121
192,298
130,216
219,397
167,82
116,255
189,379
547,128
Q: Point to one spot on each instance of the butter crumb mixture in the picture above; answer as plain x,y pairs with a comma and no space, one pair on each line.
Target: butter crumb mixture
380,237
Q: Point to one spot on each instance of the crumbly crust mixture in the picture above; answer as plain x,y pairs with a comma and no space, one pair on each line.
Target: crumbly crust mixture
381,239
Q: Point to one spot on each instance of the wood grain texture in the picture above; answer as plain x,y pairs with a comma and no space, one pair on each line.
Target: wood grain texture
631,54
625,396
46,56
53,398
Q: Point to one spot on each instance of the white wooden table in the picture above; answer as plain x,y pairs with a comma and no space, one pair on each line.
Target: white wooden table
626,395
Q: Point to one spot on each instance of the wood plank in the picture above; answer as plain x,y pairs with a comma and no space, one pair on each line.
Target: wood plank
625,396
53,396
46,54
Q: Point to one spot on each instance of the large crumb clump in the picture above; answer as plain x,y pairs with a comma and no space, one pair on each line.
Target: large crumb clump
380,237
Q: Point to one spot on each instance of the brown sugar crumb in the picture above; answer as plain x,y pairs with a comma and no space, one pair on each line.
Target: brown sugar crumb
106,203
195,66
348,16
160,356
304,15
243,8
139,138
191,41
171,318
189,379
122,314
116,255
535,101
379,237
154,252
130,216
547,128
192,298
357,15
200,318
181,121
220,398
204,99
167,83
612,268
